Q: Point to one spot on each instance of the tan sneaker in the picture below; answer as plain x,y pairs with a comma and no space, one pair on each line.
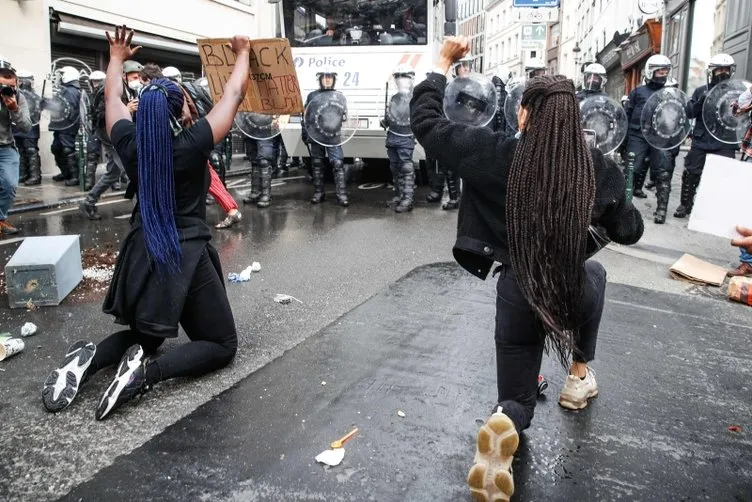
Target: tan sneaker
577,391
490,478
7,228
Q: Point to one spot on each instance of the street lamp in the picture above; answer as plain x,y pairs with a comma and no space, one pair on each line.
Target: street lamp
576,51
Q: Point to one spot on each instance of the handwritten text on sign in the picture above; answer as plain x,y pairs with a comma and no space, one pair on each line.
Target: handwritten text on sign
274,87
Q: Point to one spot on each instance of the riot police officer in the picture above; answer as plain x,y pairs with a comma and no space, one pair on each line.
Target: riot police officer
94,143
327,79
721,67
262,154
500,81
594,81
65,130
400,141
28,142
656,75
535,68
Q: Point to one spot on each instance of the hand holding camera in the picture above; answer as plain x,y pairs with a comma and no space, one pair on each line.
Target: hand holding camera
8,95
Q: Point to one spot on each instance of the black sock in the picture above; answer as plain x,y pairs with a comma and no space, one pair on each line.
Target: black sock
153,373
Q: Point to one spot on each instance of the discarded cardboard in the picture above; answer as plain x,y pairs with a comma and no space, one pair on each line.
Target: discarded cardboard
691,269
722,200
274,87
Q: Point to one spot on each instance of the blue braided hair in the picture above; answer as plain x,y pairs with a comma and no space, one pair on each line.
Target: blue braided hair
159,106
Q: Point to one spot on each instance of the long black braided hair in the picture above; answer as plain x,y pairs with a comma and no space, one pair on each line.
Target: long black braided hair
549,200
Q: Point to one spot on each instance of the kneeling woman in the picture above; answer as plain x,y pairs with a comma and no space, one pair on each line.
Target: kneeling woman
529,203
167,273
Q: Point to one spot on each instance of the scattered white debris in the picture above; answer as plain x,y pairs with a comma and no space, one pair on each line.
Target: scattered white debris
331,458
99,273
245,275
285,299
255,267
400,413
323,383
28,329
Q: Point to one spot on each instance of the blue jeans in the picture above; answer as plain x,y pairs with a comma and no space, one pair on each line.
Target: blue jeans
744,256
9,165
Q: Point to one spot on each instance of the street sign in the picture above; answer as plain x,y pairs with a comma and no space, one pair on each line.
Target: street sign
649,6
534,36
534,15
535,3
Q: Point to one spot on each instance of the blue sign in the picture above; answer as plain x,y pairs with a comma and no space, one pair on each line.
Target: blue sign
535,3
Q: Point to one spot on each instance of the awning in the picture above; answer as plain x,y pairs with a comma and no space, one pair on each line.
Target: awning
82,27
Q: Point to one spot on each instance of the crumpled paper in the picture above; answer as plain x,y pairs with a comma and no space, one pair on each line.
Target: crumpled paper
245,275
285,299
331,457
28,329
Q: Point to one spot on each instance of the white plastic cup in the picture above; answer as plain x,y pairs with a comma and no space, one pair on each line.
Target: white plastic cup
10,347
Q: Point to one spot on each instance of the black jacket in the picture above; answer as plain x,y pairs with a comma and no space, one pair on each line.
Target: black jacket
636,102
701,138
483,158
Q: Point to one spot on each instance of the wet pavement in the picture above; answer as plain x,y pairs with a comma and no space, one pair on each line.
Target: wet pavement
673,366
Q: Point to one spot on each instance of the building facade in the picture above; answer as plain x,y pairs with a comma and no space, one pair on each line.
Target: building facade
719,26
37,32
471,23
737,37
503,34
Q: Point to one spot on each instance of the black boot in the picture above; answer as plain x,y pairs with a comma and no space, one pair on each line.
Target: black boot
340,183
92,161
35,167
637,181
73,171
266,184
688,189
662,192
23,166
407,185
453,185
255,194
437,183
397,186
62,164
317,174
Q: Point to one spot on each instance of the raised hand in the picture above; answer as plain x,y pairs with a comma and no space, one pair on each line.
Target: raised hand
240,43
120,45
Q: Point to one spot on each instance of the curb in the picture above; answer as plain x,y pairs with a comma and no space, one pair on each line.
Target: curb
71,201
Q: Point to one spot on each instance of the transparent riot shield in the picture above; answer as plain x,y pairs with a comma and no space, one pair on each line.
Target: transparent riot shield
512,103
328,121
34,102
607,119
717,112
398,114
664,120
471,100
260,126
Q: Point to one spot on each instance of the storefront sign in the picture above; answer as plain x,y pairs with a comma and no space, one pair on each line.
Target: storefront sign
635,49
649,6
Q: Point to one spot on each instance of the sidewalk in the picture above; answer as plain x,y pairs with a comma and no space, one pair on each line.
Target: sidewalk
51,194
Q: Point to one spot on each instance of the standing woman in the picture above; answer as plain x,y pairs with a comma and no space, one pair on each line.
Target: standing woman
529,204
167,273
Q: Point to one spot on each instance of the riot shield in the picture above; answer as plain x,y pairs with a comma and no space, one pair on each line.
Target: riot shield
61,115
512,103
664,122
607,119
471,100
718,116
398,114
85,113
328,121
260,126
34,102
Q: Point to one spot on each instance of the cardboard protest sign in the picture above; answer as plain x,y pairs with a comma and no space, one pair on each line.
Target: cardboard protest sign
274,87
722,200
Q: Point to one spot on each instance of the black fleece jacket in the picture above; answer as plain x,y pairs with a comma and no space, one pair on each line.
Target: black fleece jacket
483,158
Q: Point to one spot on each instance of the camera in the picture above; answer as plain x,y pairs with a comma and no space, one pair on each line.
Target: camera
7,91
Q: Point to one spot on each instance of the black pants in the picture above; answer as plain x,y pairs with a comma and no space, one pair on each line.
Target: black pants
694,162
208,322
520,338
658,160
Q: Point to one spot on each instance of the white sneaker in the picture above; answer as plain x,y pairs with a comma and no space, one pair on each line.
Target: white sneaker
490,478
577,391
